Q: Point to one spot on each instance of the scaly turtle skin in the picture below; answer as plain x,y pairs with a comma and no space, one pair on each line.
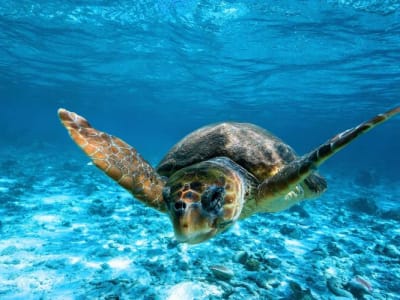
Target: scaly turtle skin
216,175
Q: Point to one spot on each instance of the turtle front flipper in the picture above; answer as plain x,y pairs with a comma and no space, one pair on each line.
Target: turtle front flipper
117,159
285,188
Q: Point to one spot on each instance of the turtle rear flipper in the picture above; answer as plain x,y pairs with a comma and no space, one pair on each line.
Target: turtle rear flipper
117,159
286,187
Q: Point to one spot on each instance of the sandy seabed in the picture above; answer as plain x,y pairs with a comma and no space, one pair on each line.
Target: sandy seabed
68,232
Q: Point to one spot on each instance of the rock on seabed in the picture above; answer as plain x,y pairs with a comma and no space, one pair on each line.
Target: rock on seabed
60,241
221,272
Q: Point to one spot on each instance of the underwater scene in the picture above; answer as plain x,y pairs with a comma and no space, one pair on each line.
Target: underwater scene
233,211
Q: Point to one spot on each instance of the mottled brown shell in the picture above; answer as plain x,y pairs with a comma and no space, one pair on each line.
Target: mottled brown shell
255,149
250,146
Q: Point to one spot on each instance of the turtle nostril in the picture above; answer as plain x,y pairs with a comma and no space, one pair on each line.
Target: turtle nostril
180,206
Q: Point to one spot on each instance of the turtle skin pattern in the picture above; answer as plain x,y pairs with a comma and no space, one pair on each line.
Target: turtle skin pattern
117,159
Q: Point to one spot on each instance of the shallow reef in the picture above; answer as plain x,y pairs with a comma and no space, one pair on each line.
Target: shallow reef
68,232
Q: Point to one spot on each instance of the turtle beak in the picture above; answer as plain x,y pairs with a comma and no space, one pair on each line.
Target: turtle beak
191,225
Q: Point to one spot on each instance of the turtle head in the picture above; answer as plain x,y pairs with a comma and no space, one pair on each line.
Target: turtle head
203,200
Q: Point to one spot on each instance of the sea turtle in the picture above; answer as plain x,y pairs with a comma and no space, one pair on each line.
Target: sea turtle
217,174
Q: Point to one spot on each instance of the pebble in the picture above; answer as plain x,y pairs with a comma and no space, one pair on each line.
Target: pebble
10,250
97,207
291,231
14,261
337,289
392,214
252,264
299,293
66,223
391,251
102,252
222,272
300,210
273,262
359,287
241,257
334,249
112,297
320,251
55,264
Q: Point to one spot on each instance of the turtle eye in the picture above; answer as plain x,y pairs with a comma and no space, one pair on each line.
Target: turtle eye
213,198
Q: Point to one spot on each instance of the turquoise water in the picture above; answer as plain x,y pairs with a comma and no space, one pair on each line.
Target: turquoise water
151,72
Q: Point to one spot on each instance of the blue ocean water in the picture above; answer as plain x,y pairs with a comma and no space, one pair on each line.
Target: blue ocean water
151,72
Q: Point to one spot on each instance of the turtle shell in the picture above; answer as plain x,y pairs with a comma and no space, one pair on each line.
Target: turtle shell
255,149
